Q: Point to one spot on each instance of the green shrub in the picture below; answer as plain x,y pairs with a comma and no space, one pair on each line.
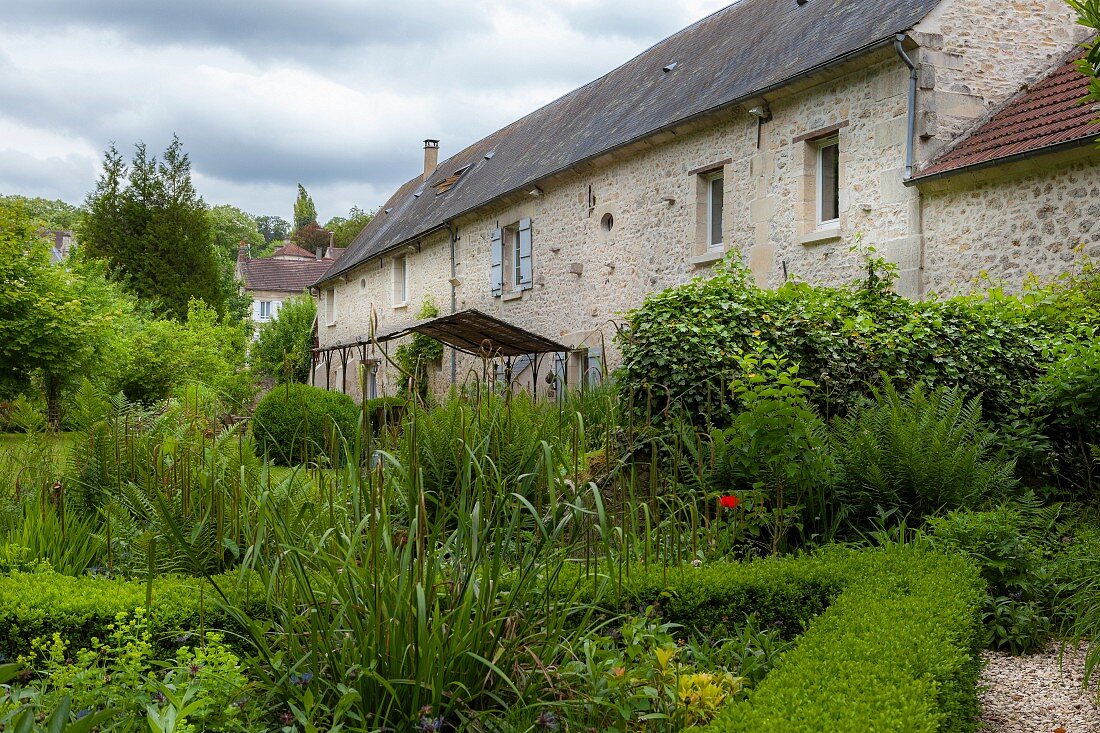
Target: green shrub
41,604
684,343
917,454
1070,403
294,423
895,651
385,412
283,347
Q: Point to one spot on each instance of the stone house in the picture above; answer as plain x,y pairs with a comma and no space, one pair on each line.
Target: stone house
288,272
796,133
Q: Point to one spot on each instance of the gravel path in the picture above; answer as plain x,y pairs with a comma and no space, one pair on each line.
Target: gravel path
1036,694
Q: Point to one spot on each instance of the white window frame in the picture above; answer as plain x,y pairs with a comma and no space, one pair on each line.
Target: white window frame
265,312
404,260
819,192
330,307
516,255
710,178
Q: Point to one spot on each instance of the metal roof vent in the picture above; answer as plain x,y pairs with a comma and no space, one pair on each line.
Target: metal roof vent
670,67
490,154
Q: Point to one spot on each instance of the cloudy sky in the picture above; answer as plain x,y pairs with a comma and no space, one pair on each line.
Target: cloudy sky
336,94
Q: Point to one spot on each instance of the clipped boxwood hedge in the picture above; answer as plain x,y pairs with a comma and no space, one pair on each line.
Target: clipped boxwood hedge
40,604
891,637
293,423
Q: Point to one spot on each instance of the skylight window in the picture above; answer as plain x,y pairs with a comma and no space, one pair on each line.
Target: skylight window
448,183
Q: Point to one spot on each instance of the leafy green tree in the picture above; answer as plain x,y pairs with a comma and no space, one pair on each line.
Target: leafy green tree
283,347
304,211
51,213
149,224
234,228
158,356
54,320
273,228
345,230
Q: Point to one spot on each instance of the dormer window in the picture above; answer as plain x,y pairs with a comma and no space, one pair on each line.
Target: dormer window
449,182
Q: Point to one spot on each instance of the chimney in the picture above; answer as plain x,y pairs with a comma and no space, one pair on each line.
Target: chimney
431,157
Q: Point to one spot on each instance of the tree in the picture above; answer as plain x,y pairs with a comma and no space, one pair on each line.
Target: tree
284,345
50,213
232,228
345,230
153,229
312,237
273,228
56,320
304,210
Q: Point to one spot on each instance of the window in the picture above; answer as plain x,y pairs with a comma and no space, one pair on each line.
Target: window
330,306
716,197
400,281
510,258
265,310
828,183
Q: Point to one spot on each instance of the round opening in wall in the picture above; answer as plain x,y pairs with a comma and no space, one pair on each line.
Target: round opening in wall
607,223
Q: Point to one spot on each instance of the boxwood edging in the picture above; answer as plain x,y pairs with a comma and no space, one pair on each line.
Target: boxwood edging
891,636
40,604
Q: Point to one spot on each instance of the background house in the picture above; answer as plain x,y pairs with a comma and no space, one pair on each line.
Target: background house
287,273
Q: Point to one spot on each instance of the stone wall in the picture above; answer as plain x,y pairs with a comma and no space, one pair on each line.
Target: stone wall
974,56
1005,225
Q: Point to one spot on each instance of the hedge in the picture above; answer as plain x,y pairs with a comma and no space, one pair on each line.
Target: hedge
293,423
891,637
78,608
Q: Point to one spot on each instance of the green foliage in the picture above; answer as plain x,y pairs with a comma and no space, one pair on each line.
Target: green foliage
417,356
41,604
1069,400
283,349
272,228
295,423
895,651
142,688
917,454
346,229
149,224
774,456
47,213
233,229
56,320
305,212
684,344
158,356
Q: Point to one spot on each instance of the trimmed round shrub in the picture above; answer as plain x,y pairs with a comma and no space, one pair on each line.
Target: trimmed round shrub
294,423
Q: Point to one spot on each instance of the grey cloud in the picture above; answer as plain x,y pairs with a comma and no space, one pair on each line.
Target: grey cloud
266,29
68,178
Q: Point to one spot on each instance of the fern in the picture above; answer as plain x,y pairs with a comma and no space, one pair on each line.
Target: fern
918,453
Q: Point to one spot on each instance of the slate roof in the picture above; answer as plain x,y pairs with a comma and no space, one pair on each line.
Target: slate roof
735,54
283,276
1048,114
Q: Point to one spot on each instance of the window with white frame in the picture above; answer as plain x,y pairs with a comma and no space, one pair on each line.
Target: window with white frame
400,281
330,306
716,200
265,312
828,183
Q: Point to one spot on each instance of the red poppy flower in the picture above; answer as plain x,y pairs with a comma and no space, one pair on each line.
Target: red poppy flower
728,502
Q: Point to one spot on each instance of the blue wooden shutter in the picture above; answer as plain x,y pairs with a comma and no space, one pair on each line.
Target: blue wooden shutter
594,368
525,278
496,255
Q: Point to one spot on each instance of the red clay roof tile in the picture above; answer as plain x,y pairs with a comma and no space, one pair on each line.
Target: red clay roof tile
1052,112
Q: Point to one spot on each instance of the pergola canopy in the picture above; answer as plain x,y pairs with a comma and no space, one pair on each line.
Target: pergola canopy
480,334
